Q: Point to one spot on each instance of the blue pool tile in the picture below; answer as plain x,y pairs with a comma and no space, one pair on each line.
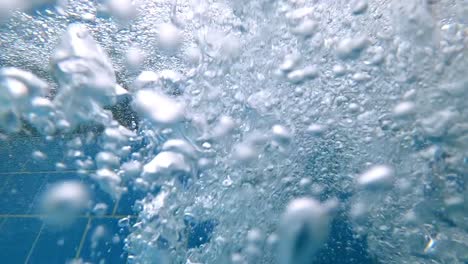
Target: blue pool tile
4,179
20,192
58,246
16,154
127,201
2,222
18,236
6,161
97,195
110,247
100,196
49,178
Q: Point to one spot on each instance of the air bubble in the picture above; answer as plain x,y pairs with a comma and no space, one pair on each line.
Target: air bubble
376,178
64,201
123,10
316,129
100,209
109,181
404,109
351,48
135,58
358,6
170,38
159,108
39,155
167,163
303,230
306,28
281,134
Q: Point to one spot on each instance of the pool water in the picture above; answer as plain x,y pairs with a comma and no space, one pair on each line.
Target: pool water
25,238
233,131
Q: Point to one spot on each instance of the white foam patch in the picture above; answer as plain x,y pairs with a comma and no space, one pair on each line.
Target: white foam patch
158,107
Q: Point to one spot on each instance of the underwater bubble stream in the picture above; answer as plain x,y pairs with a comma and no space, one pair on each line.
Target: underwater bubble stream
245,131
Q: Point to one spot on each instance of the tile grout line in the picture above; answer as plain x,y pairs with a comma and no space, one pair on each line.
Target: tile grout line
83,238
116,205
7,180
23,166
7,216
44,172
34,243
38,193
114,210
2,223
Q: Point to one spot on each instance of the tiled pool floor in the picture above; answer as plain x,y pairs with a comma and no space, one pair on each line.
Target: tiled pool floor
24,238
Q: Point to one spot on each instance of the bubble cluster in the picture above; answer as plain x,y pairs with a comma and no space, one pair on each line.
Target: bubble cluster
255,129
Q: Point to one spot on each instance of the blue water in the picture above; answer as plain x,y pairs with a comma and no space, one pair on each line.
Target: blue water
23,237
243,130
